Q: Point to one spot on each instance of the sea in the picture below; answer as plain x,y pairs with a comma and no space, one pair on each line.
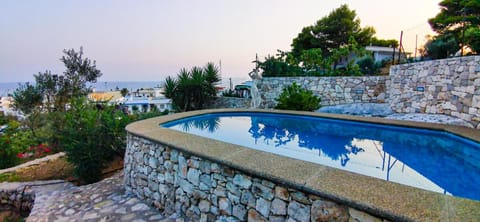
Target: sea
7,88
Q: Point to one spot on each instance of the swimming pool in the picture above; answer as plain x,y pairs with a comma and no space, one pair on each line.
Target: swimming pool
433,160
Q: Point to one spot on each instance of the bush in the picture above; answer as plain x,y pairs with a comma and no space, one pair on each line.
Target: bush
91,137
295,97
14,141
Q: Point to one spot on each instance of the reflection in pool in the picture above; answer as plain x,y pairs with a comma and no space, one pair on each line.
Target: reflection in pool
431,160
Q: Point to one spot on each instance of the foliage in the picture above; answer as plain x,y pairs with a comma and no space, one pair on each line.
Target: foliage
332,32
340,62
441,47
92,136
53,92
27,98
147,115
294,97
13,140
454,19
393,43
124,92
193,88
367,65
277,66
472,36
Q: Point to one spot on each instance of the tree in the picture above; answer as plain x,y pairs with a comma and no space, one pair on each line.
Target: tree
472,36
384,42
27,98
193,88
441,47
55,91
454,19
332,31
84,125
124,92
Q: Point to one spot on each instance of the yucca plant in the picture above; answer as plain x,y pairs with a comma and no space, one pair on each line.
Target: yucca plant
193,88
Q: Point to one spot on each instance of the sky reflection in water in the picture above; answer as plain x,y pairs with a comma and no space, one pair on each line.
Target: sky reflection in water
430,160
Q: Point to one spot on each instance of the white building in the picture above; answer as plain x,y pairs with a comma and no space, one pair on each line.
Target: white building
381,53
145,104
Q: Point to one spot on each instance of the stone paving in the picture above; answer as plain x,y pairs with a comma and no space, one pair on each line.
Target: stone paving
384,110
103,201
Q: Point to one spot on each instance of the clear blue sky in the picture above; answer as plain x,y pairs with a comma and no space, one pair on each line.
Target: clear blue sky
148,40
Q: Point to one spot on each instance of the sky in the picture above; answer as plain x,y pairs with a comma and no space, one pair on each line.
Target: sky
147,40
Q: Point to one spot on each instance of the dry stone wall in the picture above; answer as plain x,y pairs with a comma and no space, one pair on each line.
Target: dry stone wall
447,86
331,90
204,190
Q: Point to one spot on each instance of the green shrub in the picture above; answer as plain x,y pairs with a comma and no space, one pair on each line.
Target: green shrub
14,140
295,97
91,136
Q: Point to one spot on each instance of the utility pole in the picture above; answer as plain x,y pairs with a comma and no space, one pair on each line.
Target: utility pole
416,41
400,47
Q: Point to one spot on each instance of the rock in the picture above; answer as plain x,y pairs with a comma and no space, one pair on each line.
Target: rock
239,212
254,216
248,199
298,211
140,207
300,197
263,207
262,191
204,206
224,206
328,211
153,162
282,193
356,215
279,207
242,181
182,167
193,176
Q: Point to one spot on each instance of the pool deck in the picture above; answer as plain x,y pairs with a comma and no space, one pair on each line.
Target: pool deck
389,200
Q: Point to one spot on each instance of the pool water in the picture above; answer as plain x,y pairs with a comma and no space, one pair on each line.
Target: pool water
432,160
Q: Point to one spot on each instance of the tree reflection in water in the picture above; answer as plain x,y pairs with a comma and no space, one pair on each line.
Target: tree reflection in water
283,131
210,124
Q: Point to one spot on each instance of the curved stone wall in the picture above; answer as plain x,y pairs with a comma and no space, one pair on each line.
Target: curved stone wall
207,180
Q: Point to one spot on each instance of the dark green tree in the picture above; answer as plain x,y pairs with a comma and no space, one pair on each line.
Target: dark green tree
384,42
472,36
441,47
454,19
332,31
27,98
124,92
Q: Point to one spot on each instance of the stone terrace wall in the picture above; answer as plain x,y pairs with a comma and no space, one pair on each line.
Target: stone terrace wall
203,190
230,102
331,90
447,86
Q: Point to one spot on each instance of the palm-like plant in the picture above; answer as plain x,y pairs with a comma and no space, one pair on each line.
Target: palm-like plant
192,89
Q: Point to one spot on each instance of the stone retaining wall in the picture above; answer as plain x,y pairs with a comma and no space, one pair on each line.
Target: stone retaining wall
230,102
447,86
203,190
331,90
16,195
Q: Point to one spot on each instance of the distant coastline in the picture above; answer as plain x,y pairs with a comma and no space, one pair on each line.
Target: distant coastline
7,88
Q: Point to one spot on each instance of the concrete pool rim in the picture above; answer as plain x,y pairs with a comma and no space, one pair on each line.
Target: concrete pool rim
377,197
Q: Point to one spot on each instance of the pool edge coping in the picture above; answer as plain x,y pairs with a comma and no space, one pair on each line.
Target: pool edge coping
150,129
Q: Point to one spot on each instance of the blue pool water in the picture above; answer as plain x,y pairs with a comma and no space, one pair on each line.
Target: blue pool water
427,159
